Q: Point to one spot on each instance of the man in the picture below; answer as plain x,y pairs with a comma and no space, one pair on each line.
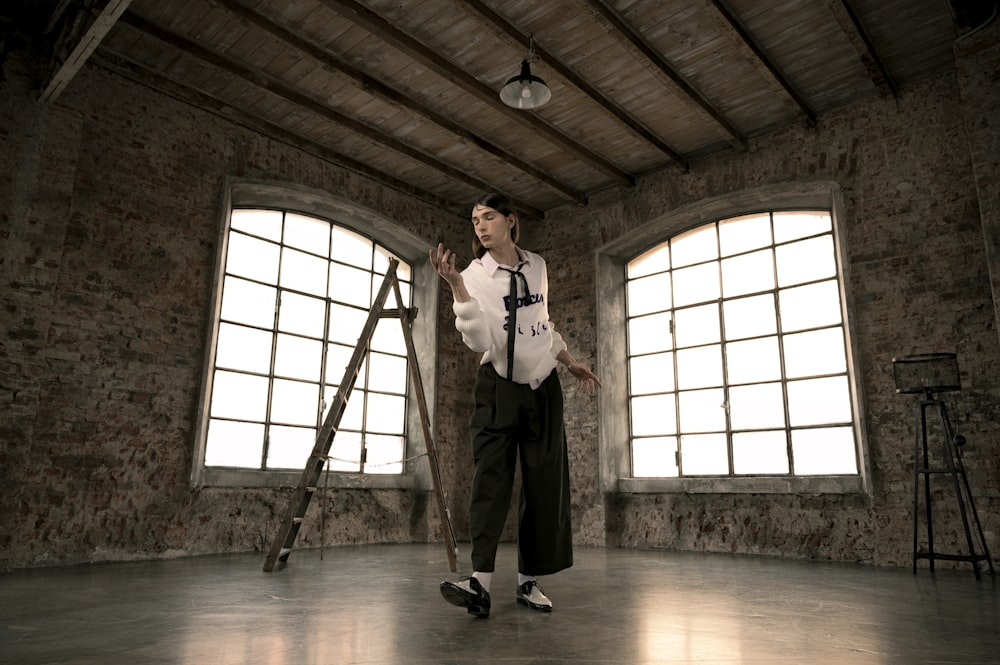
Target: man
501,309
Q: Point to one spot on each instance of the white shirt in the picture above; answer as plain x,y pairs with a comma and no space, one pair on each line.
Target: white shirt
483,319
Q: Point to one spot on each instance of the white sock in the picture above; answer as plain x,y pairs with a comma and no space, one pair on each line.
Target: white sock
484,579
521,579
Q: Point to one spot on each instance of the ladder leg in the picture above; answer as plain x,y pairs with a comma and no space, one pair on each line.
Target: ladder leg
418,388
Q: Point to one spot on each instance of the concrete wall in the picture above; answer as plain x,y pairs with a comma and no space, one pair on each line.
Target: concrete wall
109,209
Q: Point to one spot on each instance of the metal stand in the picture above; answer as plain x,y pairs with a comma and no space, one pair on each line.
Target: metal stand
953,467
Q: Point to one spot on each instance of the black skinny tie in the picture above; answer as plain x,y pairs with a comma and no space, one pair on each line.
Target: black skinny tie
512,315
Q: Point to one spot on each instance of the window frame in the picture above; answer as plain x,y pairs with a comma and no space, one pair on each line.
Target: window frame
410,248
614,432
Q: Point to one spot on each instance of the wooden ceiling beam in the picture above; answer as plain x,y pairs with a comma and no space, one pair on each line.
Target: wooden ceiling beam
737,25
277,87
82,32
579,82
376,87
652,55
118,64
388,33
852,25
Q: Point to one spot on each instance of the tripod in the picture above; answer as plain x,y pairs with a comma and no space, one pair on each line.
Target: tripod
951,466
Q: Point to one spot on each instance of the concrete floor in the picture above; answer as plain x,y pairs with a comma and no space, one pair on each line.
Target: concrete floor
380,605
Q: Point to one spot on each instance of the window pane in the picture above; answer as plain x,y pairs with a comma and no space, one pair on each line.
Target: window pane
653,414
290,447
351,248
239,396
252,258
649,294
814,353
748,273
387,373
655,457
303,272
301,314
648,334
263,223
234,444
654,260
308,233
699,367
793,225
354,414
247,349
337,358
829,450
756,407
695,246
805,261
345,453
388,337
750,317
346,324
298,358
294,402
697,325
753,361
249,303
696,284
651,374
350,285
704,455
819,401
381,265
702,411
811,306
760,453
385,454
742,234
386,413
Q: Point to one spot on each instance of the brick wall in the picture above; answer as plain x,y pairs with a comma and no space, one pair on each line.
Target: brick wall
109,204
919,281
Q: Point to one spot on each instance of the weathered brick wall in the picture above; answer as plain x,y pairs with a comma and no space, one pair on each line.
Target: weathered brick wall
110,202
919,280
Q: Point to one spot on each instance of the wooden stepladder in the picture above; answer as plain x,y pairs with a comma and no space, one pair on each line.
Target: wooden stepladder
289,529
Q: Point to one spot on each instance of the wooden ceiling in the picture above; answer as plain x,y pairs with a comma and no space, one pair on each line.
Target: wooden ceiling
406,91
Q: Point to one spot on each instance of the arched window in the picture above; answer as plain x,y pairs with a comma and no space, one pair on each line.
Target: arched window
737,362
294,289
725,346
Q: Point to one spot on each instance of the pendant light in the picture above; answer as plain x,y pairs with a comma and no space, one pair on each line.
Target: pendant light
525,91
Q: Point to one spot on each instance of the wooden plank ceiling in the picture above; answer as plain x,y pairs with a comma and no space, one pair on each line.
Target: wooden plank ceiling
406,91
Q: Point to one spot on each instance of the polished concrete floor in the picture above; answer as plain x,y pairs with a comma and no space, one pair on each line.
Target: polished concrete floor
380,605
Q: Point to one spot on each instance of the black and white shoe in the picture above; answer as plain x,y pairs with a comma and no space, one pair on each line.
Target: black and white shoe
530,594
469,593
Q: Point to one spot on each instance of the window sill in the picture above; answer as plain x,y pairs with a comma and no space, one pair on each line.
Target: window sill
224,477
745,485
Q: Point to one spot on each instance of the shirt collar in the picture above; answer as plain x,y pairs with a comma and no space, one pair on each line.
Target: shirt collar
491,265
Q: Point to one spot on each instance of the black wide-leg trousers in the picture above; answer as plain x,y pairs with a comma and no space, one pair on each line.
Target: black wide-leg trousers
512,422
